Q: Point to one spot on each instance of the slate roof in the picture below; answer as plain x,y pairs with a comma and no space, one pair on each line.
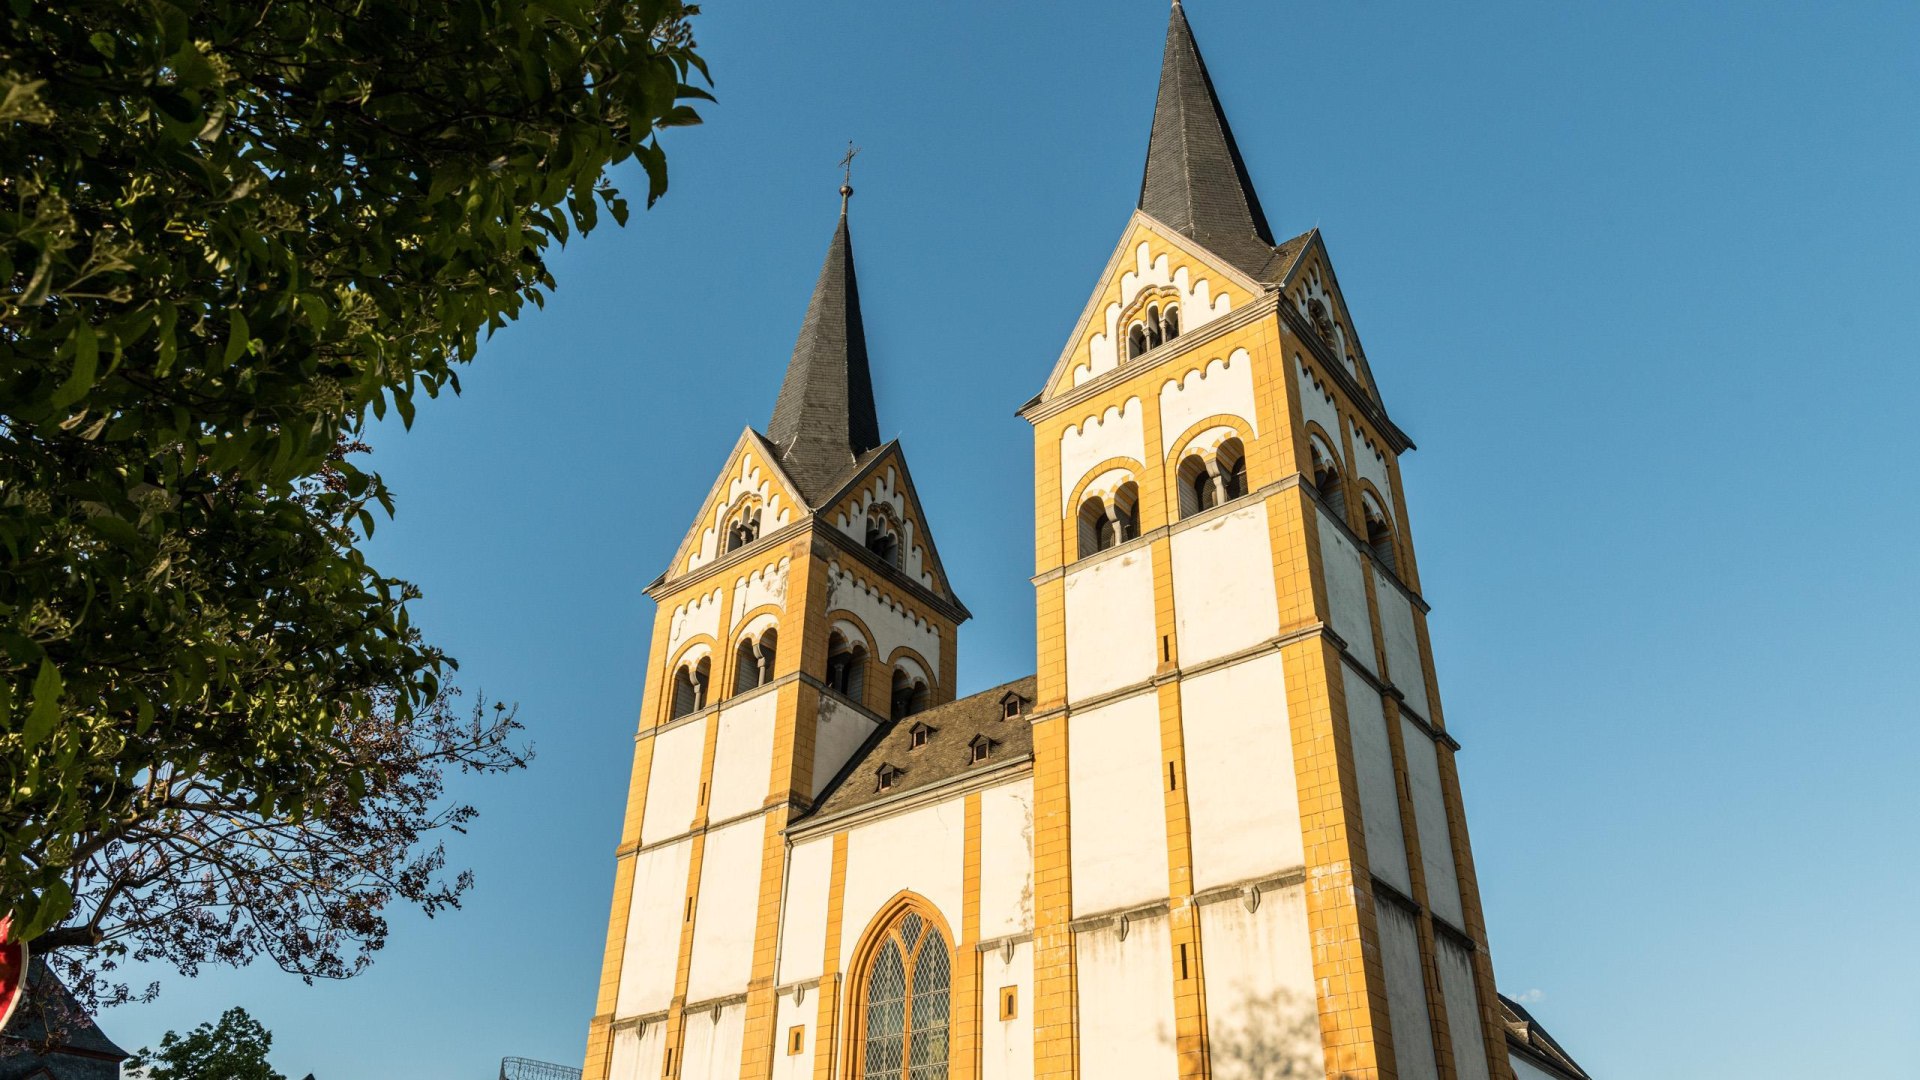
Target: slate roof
1195,180
947,754
1525,1033
824,419
82,1051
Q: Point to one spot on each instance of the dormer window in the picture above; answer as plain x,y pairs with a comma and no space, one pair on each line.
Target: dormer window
981,748
1010,706
918,735
887,776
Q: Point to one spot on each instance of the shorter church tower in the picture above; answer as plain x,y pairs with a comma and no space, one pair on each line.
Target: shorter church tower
805,609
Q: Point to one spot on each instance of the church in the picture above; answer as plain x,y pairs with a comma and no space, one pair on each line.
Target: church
1218,833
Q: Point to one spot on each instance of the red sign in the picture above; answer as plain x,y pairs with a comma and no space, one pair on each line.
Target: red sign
13,971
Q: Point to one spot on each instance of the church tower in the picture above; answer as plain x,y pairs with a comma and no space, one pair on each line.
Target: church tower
805,608
1250,852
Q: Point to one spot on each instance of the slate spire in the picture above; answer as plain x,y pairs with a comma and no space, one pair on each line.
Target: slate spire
824,417
1195,180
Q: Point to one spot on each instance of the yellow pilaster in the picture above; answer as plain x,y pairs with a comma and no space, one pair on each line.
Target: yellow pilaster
826,1037
966,1002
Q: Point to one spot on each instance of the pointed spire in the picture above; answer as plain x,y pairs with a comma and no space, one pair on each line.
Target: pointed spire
824,417
1195,181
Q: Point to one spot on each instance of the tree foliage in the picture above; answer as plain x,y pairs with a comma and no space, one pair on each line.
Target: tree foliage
233,234
233,1049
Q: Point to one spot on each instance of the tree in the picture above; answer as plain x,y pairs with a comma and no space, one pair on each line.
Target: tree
234,1049
232,235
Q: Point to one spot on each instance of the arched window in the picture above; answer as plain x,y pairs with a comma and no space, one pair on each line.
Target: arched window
1230,462
1096,528
1125,512
882,542
909,694
744,529
1155,333
907,1003
690,687
1326,473
1379,530
1322,322
753,661
1170,321
1136,341
1198,491
846,667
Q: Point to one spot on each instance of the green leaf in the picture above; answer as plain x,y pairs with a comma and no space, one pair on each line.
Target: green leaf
236,337
46,705
86,364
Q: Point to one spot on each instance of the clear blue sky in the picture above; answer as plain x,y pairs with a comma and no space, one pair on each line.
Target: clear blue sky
1641,280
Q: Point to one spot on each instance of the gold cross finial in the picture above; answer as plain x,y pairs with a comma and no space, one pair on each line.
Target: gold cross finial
846,183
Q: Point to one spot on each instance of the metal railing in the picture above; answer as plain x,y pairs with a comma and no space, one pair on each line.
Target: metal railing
519,1068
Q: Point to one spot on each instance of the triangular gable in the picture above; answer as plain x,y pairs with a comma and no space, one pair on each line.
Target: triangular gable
752,472
885,487
1311,279
1203,285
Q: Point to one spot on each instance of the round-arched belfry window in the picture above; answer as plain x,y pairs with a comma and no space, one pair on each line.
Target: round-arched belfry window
906,1003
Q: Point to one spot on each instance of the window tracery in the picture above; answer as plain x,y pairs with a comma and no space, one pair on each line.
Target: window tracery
907,1003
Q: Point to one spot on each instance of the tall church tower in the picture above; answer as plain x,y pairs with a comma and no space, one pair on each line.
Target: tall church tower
805,607
1250,853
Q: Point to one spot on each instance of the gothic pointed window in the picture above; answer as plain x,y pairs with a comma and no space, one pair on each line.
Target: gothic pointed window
907,992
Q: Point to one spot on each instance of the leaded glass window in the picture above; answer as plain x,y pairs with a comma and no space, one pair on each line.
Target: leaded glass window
908,1003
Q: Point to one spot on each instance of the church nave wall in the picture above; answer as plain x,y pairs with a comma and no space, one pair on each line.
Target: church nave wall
1125,990
1006,1045
789,1014
921,851
1006,860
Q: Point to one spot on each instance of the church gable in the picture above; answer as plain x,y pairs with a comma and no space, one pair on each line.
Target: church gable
1314,293
1158,285
753,497
880,511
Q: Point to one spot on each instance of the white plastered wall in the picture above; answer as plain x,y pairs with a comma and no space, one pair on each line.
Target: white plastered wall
639,1053
1379,795
922,851
1404,669
838,731
1126,999
1430,818
1118,811
885,489
1221,387
673,781
1262,1017
1006,1046
651,958
747,477
1223,590
1406,993
1006,859
711,1044
743,757
728,908
1198,305
1316,401
1347,591
803,918
892,624
1370,462
1241,797
789,1015
767,585
1116,433
1463,1009
1110,637
700,615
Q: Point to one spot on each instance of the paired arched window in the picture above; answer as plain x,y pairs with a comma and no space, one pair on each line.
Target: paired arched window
753,661
1156,327
1326,473
690,687
1107,522
1207,480
883,542
906,992
846,666
1379,531
744,529
909,694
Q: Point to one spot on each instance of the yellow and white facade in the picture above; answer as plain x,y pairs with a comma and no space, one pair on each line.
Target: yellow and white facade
1218,834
